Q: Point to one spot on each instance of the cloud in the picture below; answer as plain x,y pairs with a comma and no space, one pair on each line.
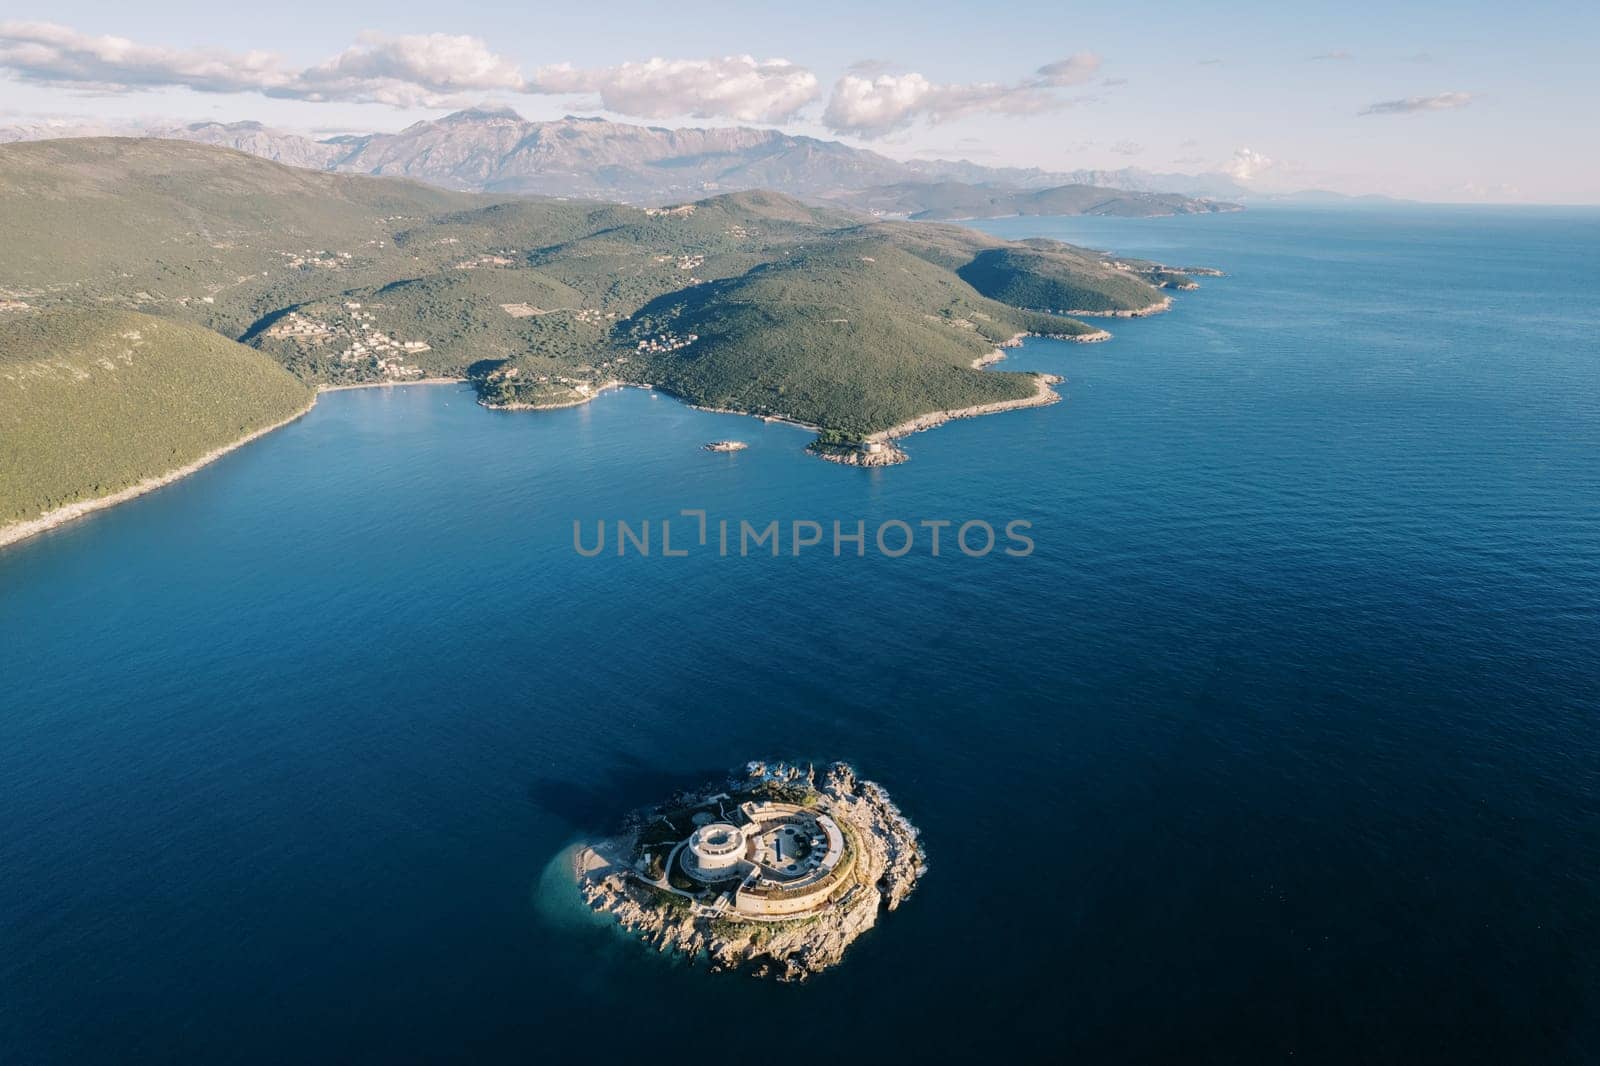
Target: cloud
873,107
420,70
1073,70
1127,148
1412,104
736,87
1211,62
1112,82
1338,55
876,106
47,54
1247,165
429,69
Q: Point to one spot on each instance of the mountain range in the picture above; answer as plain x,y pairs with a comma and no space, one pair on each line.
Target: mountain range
498,151
955,200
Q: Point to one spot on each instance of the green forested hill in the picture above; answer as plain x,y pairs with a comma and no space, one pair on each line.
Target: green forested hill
751,300
824,335
183,229
93,402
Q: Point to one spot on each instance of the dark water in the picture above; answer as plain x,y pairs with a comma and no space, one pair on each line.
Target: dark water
1283,746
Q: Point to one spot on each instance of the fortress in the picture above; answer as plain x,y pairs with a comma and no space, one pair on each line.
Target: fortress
768,860
770,872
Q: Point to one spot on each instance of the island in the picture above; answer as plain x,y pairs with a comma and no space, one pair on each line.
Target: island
726,446
773,872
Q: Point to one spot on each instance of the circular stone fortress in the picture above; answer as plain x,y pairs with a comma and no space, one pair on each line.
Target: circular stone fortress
772,873
775,859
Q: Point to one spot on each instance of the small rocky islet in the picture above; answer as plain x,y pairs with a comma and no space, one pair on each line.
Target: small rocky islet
772,872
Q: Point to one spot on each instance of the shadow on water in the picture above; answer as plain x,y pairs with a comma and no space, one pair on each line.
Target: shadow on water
598,802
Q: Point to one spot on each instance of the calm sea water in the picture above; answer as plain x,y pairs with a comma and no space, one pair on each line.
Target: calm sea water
1284,745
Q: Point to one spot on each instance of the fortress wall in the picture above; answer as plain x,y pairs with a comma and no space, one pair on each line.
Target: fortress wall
786,903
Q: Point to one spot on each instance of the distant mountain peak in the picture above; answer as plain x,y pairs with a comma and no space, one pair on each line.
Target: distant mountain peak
481,114
246,126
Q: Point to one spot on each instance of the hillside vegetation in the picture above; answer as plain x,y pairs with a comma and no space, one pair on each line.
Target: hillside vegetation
94,402
822,335
751,301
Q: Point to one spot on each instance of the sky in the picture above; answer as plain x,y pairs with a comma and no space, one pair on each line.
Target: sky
1433,101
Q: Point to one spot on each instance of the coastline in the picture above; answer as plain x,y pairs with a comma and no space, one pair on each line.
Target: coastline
390,384
888,455
782,420
20,531
884,451
1094,337
1043,396
17,532
1163,304
608,386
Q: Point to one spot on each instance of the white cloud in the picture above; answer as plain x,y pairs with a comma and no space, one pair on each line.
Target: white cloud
1337,55
876,106
738,87
1127,148
48,54
1247,165
1412,104
420,70
417,70
426,70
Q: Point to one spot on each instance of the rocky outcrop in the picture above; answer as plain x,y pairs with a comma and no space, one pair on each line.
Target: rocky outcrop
885,454
888,864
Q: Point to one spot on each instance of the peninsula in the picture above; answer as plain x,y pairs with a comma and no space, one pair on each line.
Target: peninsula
773,872
863,330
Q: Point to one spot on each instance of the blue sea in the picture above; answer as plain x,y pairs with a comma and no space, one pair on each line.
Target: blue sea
1282,745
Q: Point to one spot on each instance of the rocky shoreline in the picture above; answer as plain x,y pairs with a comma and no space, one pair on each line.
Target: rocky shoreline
1163,304
879,449
889,861
991,358
854,455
